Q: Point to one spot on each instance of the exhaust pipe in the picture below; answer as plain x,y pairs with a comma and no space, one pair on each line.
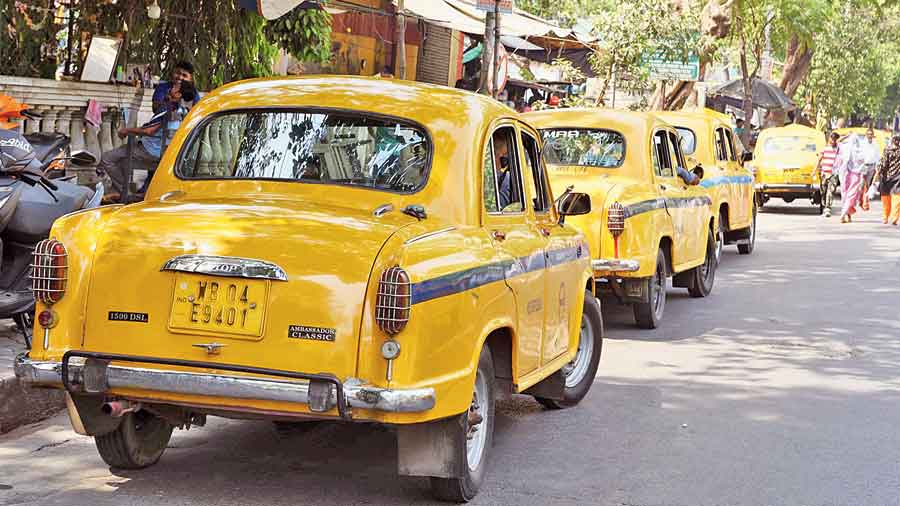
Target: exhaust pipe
119,408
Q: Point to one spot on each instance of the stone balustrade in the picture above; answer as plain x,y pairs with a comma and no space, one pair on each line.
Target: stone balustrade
62,105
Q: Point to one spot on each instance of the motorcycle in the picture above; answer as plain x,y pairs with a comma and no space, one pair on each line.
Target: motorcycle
29,204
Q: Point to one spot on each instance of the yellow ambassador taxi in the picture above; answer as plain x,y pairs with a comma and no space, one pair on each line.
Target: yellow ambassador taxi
708,140
785,164
335,248
882,137
647,224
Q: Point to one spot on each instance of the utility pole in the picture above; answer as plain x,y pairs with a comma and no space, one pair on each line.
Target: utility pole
487,55
496,61
400,53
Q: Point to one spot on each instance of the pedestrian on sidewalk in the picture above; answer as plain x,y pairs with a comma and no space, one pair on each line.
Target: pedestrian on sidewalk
851,164
829,180
871,157
888,178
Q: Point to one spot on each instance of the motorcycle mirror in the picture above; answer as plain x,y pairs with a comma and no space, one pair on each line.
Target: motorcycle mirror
83,158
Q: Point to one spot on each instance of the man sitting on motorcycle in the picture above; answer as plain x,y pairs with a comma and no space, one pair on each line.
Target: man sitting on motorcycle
151,139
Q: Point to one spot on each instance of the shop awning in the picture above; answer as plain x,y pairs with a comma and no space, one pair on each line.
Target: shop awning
462,15
519,23
442,14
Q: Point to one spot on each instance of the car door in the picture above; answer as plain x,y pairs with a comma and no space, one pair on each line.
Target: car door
559,279
508,220
674,191
741,184
694,206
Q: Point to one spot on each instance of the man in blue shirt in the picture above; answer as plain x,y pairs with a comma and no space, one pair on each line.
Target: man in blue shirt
162,95
152,137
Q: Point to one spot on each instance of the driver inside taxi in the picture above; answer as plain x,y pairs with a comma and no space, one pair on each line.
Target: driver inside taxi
501,161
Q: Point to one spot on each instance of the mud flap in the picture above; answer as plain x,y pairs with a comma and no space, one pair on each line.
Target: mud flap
435,448
551,387
86,416
682,279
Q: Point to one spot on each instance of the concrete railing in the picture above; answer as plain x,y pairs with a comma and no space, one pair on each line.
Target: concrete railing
62,105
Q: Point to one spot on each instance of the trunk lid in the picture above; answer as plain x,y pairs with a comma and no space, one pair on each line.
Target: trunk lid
308,323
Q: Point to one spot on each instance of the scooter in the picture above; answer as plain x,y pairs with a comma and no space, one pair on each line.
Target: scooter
29,204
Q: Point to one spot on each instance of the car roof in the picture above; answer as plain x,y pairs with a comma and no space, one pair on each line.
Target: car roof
439,108
694,117
792,129
588,117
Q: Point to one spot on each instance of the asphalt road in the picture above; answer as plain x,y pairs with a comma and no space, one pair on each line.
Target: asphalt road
781,388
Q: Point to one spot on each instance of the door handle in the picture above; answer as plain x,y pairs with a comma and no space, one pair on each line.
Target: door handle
498,235
545,231
663,187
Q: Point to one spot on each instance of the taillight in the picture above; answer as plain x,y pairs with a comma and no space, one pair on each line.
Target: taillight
392,304
49,271
615,219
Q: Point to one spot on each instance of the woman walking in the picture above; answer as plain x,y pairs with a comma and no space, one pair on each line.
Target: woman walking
888,178
851,160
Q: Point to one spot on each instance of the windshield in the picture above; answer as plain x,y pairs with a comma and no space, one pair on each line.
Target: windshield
581,146
688,140
788,144
309,147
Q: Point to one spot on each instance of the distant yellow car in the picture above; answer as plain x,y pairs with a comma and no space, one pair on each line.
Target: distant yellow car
882,137
647,224
707,139
785,164
332,248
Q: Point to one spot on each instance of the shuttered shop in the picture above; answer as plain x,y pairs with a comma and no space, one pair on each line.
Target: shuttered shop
434,64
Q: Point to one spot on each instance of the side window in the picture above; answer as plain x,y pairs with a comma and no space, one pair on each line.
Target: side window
675,141
721,145
732,153
502,175
662,155
541,199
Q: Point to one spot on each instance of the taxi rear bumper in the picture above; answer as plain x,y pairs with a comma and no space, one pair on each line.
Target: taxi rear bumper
603,265
88,372
785,187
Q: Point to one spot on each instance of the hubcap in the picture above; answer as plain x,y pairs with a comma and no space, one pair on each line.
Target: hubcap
476,435
577,369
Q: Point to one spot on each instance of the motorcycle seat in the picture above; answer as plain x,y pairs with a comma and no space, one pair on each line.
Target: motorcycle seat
36,210
46,145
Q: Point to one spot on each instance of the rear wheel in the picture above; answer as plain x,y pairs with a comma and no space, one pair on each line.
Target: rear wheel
747,248
478,426
138,442
720,237
704,275
648,315
580,372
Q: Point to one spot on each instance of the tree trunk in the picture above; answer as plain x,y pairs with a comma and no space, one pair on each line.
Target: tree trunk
486,84
746,77
400,54
796,65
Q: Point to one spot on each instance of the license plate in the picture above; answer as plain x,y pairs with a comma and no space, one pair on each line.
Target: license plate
215,305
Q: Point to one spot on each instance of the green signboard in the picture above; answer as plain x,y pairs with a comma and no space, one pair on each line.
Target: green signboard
673,68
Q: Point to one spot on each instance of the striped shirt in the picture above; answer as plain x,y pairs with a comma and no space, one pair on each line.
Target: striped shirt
828,157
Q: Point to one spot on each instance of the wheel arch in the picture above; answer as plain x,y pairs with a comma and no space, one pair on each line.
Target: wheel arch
665,244
724,216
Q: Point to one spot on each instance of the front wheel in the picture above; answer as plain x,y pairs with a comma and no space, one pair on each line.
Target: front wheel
478,427
648,315
704,275
138,442
580,372
747,248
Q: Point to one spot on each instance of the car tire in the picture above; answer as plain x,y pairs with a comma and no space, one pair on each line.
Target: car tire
721,235
580,372
703,277
138,442
746,249
477,448
648,315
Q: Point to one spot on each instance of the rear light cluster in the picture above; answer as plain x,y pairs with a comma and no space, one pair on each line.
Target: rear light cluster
615,219
393,301
49,271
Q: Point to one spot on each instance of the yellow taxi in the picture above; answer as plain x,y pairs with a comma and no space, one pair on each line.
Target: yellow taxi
331,248
708,140
785,164
647,223
882,137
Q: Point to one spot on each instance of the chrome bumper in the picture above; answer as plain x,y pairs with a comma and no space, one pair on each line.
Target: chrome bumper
98,376
786,187
615,265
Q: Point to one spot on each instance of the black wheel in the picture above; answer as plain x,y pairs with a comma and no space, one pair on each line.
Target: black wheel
648,315
580,372
787,200
25,323
138,442
721,233
291,429
746,249
478,426
704,275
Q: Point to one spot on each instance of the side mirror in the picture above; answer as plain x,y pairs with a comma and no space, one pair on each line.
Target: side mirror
83,158
698,171
746,156
573,204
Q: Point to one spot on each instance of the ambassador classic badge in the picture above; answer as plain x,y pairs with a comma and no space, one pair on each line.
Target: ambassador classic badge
311,333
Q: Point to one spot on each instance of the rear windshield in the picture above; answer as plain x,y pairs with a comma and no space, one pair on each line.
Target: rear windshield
309,147
688,140
585,147
788,144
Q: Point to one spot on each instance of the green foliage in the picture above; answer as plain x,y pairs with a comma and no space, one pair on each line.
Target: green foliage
304,33
27,39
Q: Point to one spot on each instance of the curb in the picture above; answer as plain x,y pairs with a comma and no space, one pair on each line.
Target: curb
21,405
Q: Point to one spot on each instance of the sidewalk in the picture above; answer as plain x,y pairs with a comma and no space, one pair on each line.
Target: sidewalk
20,405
